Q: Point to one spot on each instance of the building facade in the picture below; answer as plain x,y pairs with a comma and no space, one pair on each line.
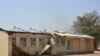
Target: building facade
72,44
31,43
55,43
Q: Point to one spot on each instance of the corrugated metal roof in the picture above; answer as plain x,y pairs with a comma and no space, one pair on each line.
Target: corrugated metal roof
74,35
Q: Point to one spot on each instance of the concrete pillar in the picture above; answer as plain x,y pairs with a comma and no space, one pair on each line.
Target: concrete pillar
4,47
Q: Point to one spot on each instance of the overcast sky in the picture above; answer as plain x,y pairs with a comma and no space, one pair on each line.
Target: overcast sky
44,14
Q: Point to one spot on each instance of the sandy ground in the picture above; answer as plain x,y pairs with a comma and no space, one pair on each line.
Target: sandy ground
96,53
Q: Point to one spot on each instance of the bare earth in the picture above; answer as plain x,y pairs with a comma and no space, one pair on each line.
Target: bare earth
96,53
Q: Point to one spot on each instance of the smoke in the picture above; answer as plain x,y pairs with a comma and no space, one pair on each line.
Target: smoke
62,23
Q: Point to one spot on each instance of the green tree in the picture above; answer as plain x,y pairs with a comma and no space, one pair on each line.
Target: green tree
88,24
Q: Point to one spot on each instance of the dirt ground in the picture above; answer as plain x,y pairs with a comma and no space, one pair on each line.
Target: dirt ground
96,53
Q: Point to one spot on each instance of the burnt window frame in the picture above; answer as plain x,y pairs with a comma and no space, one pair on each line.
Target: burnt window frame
24,43
43,41
63,41
14,40
34,41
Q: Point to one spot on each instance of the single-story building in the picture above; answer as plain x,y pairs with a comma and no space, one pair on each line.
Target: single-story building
21,43
72,43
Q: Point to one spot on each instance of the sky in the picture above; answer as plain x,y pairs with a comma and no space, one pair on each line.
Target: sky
44,14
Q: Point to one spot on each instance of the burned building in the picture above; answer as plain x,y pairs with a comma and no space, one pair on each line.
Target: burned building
49,43
72,43
29,42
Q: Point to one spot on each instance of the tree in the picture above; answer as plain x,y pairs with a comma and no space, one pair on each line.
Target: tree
88,24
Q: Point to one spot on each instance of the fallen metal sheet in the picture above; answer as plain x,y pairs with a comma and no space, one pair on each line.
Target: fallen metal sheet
52,41
44,49
48,46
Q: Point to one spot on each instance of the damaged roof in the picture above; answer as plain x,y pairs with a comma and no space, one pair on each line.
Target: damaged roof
73,35
10,32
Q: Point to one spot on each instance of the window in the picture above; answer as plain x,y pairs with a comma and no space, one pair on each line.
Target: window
23,41
32,41
57,40
14,40
43,41
68,44
63,41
